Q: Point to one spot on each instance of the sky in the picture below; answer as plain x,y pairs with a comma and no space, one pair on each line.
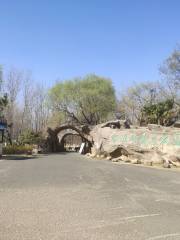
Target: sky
125,40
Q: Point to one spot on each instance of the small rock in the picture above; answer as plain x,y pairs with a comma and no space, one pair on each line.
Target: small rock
154,127
166,165
125,158
136,161
115,160
177,124
175,164
35,151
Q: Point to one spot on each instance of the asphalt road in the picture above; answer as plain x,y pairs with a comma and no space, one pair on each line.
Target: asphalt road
71,197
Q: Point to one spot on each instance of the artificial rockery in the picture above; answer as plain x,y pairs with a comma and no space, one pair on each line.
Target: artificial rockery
151,145
118,141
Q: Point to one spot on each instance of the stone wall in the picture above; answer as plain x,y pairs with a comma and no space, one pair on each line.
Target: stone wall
163,143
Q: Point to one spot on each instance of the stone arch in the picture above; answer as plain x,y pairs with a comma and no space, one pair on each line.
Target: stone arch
71,141
53,142
61,139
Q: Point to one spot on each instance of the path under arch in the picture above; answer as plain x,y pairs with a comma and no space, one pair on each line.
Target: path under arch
55,145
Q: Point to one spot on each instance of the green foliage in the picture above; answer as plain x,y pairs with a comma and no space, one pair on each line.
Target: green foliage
159,113
55,119
3,97
1,74
17,149
3,102
30,137
84,100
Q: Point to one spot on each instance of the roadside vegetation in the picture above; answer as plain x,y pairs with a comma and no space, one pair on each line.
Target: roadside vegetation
17,149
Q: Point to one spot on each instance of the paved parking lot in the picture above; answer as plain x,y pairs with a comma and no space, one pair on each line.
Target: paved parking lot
68,196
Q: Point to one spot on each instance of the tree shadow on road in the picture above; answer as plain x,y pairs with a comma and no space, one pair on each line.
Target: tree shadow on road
18,157
59,153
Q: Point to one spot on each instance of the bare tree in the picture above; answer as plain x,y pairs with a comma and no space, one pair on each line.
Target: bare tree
13,79
27,97
170,72
133,100
40,108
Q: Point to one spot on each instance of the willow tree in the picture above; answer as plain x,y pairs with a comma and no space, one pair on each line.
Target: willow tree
89,100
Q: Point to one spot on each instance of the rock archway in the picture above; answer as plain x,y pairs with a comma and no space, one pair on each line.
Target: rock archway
71,141
54,144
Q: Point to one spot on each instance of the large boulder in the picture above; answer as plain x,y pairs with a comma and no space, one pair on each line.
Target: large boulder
153,144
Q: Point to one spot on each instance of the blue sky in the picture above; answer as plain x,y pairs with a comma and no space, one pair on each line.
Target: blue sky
125,40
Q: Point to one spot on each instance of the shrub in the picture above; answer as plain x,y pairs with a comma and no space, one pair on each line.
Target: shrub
159,113
17,149
30,137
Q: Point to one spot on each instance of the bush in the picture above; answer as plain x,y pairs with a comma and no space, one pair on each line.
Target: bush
30,137
17,149
159,113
